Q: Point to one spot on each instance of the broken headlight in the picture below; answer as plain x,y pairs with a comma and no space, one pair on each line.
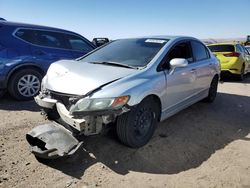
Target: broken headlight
88,104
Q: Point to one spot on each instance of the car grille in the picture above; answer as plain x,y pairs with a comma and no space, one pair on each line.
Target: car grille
63,97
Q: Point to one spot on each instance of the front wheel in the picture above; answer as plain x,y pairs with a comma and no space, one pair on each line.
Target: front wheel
25,84
2,92
136,127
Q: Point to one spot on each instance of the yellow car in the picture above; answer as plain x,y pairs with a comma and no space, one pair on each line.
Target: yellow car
233,57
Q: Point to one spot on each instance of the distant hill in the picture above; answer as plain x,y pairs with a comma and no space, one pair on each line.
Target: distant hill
214,40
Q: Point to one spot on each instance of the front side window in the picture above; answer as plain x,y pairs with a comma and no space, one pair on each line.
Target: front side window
76,43
199,51
181,50
132,52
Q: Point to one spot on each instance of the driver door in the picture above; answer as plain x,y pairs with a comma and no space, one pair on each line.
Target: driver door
181,82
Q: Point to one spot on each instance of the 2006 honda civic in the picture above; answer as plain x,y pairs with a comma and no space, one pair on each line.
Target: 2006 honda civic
131,84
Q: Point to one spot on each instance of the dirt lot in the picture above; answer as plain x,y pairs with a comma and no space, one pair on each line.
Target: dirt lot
206,145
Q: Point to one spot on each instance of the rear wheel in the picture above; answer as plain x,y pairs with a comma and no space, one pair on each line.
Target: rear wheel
25,84
212,90
2,92
136,127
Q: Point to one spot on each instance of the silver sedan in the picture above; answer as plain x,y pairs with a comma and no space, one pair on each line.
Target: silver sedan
131,84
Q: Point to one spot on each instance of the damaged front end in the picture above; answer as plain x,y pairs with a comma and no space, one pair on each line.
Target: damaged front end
68,120
51,141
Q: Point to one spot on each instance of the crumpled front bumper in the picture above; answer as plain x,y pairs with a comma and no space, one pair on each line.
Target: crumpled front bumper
48,103
54,140
51,141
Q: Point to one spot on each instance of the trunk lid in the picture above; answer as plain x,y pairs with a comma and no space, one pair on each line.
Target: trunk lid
223,51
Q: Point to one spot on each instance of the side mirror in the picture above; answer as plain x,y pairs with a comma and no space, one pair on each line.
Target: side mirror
100,41
177,63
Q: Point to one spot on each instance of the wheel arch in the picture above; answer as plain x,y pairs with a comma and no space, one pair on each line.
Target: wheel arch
157,100
216,76
24,66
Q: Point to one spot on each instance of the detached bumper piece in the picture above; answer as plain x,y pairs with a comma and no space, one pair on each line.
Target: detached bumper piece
50,141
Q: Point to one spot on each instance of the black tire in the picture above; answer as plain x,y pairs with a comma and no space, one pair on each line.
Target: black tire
136,127
241,77
16,88
212,90
2,92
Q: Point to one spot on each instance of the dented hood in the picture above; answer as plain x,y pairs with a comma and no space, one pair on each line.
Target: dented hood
79,78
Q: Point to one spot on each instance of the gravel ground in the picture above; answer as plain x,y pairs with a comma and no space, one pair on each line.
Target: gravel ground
206,145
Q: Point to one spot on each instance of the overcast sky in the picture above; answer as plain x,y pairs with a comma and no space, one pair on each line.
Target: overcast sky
129,18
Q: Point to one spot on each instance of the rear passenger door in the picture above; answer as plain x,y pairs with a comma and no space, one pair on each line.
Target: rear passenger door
202,66
78,45
49,46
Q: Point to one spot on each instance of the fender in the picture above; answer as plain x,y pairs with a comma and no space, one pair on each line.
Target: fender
22,65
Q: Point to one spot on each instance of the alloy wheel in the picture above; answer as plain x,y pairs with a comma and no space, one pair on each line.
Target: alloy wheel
28,85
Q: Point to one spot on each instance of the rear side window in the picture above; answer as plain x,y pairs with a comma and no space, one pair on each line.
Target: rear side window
76,43
199,51
42,37
49,39
26,35
222,48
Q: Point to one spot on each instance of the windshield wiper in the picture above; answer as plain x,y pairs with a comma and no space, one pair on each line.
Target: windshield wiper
114,64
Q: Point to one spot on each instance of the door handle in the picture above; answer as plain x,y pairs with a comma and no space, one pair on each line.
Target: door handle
39,52
54,56
193,70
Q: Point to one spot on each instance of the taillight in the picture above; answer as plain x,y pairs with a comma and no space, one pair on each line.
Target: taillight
232,54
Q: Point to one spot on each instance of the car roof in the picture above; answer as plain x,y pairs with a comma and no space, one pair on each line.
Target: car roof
167,37
33,26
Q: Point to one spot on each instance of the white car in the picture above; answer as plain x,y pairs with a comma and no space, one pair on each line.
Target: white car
130,83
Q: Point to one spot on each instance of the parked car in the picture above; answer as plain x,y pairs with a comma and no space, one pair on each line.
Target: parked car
26,52
233,57
247,42
248,48
132,83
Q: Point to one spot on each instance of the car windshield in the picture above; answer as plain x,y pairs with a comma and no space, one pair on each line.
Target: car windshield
221,48
131,52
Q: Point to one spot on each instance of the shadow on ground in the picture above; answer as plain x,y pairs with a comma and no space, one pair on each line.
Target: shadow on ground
8,103
180,143
233,79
